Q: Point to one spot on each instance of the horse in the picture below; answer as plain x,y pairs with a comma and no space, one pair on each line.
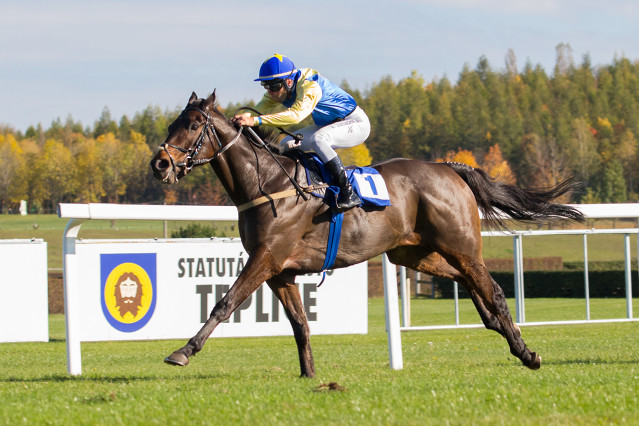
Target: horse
432,225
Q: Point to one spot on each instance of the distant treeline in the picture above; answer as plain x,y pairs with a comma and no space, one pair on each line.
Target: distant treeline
527,126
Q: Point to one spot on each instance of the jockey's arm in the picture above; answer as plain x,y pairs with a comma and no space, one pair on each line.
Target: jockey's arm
308,95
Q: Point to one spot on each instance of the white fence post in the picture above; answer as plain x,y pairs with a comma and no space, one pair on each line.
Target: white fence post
519,278
456,294
71,308
391,303
628,276
405,296
586,279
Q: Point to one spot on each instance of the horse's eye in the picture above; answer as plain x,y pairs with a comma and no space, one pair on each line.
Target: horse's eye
194,126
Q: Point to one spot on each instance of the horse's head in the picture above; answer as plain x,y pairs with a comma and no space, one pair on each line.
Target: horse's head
192,141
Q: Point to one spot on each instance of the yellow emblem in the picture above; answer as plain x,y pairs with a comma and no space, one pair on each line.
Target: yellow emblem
128,293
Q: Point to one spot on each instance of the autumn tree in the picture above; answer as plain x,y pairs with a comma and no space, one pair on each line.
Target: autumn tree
117,163
545,162
355,156
12,187
57,174
90,171
463,156
498,168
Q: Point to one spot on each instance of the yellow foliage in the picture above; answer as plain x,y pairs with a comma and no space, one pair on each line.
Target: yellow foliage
461,156
137,138
106,138
604,123
498,168
358,155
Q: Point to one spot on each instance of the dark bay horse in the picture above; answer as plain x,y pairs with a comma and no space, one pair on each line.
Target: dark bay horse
433,225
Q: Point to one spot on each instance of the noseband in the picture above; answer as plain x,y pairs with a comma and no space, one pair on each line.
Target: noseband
190,161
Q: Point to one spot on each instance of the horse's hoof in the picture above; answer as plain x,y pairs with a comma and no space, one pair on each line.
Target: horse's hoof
177,358
536,363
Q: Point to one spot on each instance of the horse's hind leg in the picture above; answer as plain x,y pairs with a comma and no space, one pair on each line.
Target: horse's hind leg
487,296
435,265
493,298
288,293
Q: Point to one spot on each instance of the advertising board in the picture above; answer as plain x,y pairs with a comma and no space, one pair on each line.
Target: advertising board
24,310
166,289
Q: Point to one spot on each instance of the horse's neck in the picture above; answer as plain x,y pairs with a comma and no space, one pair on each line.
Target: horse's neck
243,170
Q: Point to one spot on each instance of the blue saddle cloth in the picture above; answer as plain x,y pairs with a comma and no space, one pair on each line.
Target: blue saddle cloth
366,181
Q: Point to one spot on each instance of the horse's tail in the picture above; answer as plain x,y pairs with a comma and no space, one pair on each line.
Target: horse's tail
524,205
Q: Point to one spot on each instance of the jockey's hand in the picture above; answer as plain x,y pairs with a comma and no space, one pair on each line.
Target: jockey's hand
290,145
244,120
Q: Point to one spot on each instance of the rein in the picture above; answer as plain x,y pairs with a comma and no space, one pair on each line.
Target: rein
207,129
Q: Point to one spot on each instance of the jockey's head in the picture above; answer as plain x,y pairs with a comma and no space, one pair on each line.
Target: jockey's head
278,72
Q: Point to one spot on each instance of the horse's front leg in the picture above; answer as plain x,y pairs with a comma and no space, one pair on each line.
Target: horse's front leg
259,267
287,292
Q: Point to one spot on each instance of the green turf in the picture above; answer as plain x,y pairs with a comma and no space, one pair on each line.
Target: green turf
590,375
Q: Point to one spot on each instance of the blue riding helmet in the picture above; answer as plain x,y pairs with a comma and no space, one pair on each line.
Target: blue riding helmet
277,66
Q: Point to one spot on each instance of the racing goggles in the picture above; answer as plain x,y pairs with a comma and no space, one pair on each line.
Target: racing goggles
273,85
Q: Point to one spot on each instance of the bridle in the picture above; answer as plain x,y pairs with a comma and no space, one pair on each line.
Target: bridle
207,129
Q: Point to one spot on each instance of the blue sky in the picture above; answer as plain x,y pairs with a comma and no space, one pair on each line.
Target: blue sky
73,57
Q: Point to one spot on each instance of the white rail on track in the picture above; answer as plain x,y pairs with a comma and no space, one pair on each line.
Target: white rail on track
591,211
78,214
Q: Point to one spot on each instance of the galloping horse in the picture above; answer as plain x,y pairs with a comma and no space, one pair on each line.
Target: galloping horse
433,225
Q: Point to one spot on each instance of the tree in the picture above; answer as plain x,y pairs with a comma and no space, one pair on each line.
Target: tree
356,156
440,123
383,108
545,163
460,156
56,169
29,174
498,168
116,162
105,124
12,187
471,107
611,187
137,173
582,150
625,150
90,172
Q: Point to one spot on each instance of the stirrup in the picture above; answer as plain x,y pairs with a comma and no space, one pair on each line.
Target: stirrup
347,199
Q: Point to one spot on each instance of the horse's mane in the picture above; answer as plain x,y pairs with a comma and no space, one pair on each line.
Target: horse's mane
268,134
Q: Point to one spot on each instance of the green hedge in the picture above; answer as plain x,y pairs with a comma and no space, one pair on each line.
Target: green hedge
565,283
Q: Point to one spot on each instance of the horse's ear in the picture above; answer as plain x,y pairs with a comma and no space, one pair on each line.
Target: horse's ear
210,101
193,98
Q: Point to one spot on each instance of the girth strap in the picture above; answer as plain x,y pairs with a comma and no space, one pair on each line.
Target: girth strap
272,197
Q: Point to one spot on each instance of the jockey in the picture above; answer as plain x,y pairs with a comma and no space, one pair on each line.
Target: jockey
295,96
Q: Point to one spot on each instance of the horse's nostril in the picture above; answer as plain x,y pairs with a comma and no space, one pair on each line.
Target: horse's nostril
160,164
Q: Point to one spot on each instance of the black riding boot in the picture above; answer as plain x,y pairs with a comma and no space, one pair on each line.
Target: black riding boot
347,198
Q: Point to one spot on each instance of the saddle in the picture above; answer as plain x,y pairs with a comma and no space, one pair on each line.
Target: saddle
366,181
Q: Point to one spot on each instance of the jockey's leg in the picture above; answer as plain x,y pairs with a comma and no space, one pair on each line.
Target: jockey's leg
347,198
347,133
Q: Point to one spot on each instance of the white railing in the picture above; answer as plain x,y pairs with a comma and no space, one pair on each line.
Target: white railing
77,215
591,211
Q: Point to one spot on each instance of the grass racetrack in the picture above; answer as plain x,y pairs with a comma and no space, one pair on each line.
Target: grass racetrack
589,375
